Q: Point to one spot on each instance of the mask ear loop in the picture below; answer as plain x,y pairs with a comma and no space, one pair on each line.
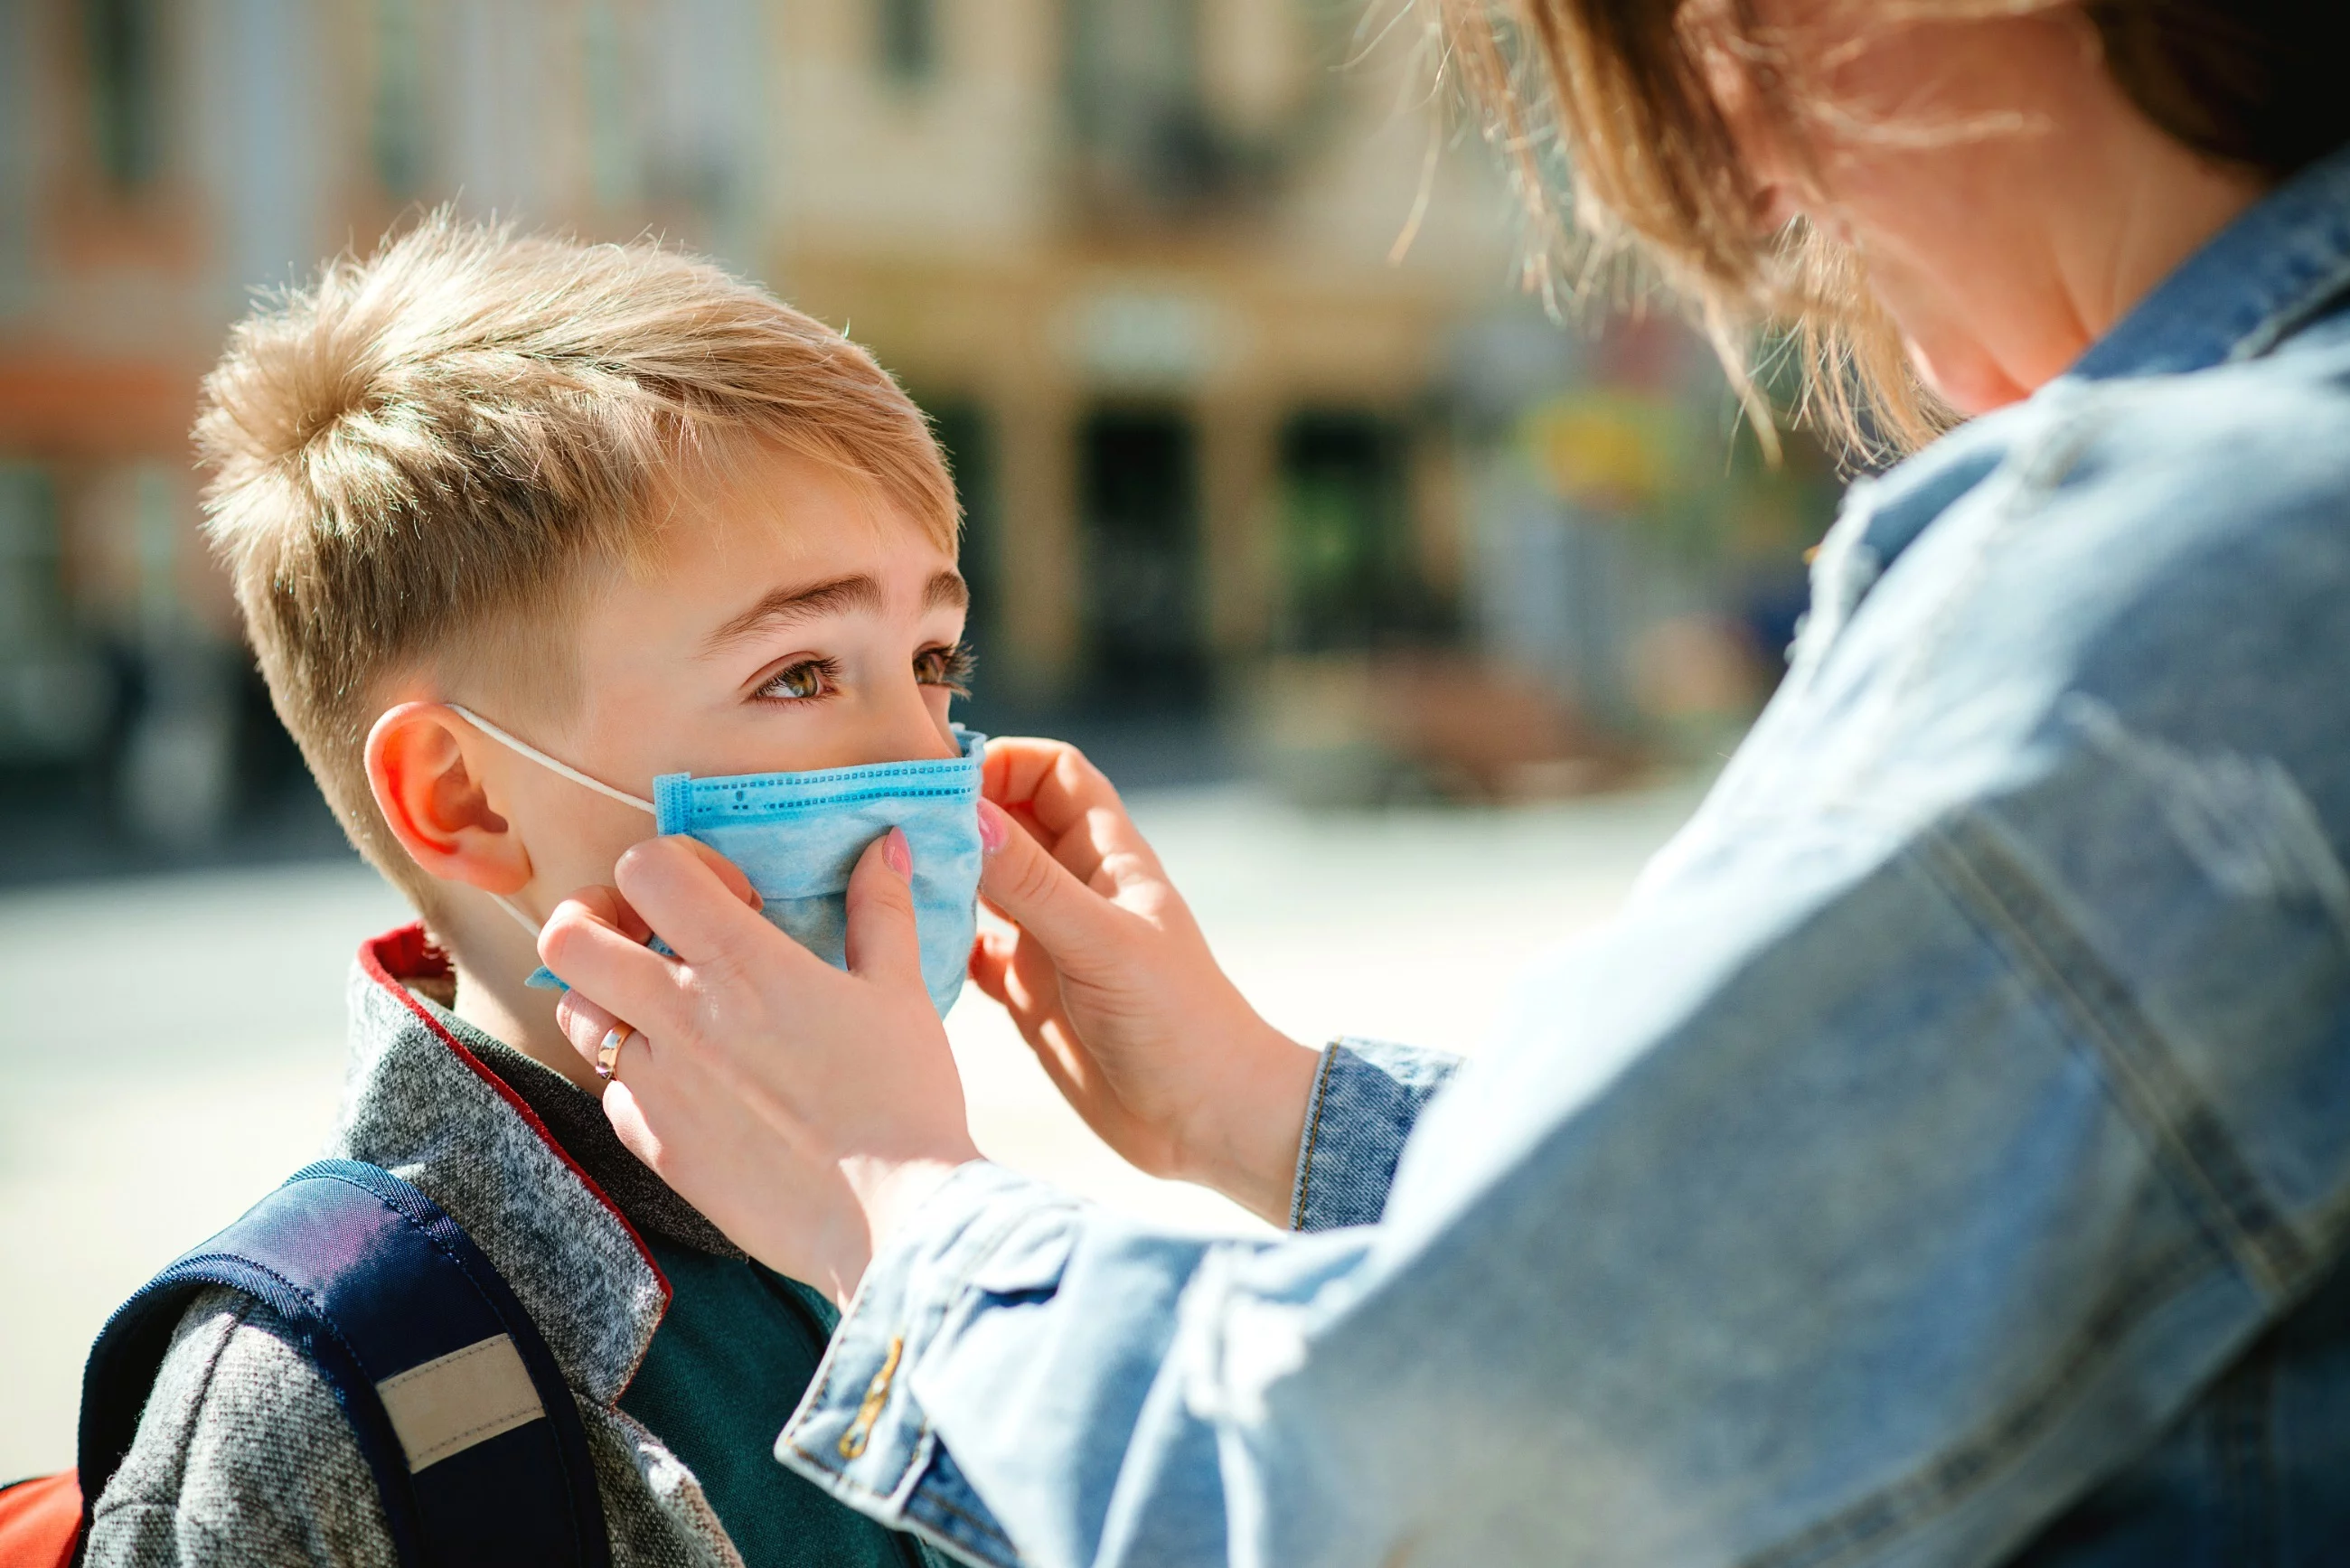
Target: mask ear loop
552,764
511,907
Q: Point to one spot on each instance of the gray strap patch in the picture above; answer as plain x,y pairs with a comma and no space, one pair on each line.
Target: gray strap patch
467,1396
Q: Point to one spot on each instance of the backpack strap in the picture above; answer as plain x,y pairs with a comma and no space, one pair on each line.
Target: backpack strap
456,1402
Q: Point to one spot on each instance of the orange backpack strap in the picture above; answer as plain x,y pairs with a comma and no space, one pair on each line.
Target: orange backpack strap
40,1521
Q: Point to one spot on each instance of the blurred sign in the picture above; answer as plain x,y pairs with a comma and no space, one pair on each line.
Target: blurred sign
1616,452
1147,341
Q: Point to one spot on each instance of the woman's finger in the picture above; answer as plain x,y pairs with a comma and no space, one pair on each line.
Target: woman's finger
1013,968
607,905
1015,973
584,1023
1054,784
1048,787
884,944
1016,766
988,963
1066,1064
675,883
628,1119
728,872
1074,808
1034,890
618,971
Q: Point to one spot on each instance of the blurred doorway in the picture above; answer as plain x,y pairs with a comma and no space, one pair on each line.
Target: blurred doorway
1140,509
1350,576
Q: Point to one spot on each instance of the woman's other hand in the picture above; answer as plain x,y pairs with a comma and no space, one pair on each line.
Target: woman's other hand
806,1110
1113,986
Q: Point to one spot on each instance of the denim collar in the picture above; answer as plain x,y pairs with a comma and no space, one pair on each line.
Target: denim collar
2278,266
2261,278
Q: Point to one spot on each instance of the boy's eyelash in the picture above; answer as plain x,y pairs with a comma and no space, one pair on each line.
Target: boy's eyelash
956,665
826,670
950,667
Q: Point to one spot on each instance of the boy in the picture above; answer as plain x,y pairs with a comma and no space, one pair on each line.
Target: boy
639,516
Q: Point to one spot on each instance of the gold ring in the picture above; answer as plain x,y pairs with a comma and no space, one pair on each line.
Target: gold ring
607,1054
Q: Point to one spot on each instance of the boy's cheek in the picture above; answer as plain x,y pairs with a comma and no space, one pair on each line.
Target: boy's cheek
581,852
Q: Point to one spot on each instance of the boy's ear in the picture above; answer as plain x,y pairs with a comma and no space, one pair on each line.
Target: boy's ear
435,804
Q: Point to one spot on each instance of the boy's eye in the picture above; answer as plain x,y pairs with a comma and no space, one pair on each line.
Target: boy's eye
948,667
798,682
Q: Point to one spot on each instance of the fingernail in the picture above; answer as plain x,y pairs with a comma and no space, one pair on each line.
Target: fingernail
994,827
894,851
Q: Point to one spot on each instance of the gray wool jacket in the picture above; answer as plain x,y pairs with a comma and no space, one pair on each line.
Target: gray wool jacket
244,1457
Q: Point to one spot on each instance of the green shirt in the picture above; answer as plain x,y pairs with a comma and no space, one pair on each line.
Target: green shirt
732,1357
727,1364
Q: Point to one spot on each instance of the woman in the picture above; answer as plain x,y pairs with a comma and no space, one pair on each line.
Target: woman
1943,1159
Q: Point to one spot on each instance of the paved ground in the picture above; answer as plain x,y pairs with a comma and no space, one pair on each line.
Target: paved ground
172,1045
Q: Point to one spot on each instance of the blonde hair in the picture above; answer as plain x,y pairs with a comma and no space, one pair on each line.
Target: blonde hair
421,456
1616,92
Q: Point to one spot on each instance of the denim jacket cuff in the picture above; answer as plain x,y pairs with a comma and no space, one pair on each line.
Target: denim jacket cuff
860,1432
1366,1097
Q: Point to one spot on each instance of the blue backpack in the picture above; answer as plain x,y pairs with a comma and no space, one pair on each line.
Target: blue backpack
456,1402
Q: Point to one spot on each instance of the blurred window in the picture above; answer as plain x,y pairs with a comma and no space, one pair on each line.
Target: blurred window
1139,477
16,208
909,39
32,583
54,692
1134,105
1178,106
397,129
1117,48
613,163
124,56
1349,571
699,94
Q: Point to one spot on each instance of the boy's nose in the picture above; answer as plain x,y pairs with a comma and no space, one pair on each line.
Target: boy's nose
907,732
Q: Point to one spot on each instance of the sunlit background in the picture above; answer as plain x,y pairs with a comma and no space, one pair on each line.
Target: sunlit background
1411,619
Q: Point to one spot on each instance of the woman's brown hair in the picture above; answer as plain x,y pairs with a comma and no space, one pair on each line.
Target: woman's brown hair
1617,141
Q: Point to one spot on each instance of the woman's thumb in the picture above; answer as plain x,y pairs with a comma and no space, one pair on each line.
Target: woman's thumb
883,943
1021,879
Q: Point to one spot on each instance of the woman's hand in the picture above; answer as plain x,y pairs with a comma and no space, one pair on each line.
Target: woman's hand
805,1110
1115,989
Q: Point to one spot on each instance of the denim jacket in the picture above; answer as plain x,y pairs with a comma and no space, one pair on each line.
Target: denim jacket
1944,1157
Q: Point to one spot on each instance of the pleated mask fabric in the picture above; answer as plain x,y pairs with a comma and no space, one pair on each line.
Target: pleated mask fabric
797,836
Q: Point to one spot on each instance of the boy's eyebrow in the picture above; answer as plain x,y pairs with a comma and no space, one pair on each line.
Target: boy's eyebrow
947,591
837,596
782,606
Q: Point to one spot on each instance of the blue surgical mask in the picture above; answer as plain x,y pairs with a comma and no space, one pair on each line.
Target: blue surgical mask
797,836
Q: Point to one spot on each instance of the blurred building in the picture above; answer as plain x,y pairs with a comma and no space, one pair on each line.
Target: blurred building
1134,255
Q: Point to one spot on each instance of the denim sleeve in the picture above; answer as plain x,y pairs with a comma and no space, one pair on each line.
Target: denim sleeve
1366,1098
1865,1194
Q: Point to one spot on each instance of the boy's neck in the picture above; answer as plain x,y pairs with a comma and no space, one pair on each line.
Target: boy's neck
529,1028
491,964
